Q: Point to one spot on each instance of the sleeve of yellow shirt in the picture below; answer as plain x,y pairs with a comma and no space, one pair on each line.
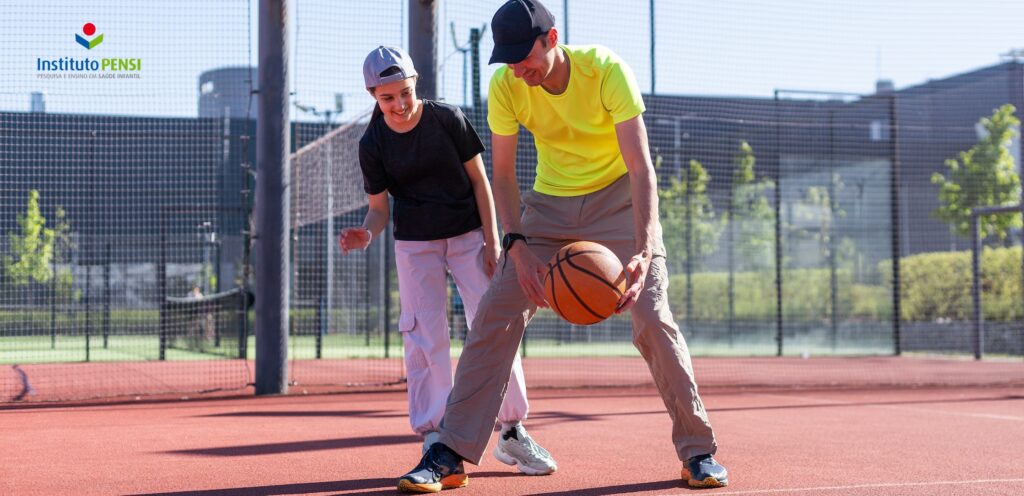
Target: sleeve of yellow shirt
620,93
501,117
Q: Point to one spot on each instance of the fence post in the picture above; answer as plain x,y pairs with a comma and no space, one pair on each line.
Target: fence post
894,206
272,209
978,327
778,226
423,45
106,296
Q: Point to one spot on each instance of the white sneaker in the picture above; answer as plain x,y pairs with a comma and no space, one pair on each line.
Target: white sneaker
516,447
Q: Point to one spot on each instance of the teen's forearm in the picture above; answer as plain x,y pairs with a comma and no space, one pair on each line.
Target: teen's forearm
485,206
377,215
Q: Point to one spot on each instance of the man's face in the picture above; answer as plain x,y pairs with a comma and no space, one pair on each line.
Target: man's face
537,66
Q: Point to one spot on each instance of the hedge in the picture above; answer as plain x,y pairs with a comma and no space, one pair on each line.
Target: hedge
805,296
934,287
937,286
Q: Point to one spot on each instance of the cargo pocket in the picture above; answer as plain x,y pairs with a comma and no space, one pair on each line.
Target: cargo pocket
407,321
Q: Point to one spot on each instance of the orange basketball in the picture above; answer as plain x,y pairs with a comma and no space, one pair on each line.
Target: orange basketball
584,282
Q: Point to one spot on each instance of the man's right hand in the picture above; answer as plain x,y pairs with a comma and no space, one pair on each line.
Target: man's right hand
530,271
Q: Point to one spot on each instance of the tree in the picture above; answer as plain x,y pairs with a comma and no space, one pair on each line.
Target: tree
684,208
820,208
750,216
32,249
982,176
63,245
686,199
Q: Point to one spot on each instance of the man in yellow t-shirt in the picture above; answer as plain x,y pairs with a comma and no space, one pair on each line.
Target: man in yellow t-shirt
595,182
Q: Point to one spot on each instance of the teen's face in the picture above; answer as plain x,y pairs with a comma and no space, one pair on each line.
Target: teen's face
397,99
537,66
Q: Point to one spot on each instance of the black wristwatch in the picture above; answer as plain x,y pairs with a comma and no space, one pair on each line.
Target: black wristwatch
509,239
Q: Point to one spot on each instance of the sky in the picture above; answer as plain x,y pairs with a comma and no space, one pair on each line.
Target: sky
722,48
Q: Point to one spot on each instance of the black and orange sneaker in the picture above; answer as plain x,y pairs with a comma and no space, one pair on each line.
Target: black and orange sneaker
440,468
704,471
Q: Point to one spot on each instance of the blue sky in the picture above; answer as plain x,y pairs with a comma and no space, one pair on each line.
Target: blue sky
725,47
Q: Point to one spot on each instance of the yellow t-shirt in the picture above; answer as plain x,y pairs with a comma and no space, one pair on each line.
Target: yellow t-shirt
577,150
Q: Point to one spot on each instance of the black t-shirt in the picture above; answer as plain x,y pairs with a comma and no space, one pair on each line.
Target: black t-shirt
424,171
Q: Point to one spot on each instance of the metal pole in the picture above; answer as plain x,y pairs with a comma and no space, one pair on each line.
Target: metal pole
565,22
894,200
423,45
88,306
321,325
688,198
833,206
979,322
53,305
161,281
778,227
272,209
247,234
730,242
653,78
474,56
329,243
106,296
385,271
978,330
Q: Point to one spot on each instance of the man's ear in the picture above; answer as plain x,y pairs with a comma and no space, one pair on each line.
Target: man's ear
552,37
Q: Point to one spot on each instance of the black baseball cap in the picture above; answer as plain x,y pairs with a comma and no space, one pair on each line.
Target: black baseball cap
515,26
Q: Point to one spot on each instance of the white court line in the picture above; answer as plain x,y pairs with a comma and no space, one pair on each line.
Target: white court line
868,486
897,407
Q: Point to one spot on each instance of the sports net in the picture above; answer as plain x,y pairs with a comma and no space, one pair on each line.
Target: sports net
813,195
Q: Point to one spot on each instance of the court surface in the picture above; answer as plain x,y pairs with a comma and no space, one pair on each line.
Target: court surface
910,441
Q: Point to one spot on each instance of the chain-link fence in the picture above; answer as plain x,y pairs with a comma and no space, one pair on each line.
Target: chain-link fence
799,188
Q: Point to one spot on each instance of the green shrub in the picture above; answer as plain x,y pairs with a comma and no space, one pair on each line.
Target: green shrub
938,285
805,296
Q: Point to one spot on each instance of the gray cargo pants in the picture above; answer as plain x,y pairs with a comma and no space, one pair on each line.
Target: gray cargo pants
550,222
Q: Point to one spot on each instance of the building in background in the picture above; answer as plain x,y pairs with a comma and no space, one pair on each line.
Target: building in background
227,92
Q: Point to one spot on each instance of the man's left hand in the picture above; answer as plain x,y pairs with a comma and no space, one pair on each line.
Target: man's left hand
636,274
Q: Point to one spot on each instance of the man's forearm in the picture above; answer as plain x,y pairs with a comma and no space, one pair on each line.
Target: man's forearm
632,137
645,209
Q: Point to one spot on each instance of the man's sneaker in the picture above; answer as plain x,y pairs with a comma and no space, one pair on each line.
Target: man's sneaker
440,468
516,447
704,471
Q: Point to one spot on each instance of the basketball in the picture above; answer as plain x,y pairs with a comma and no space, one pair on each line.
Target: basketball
584,282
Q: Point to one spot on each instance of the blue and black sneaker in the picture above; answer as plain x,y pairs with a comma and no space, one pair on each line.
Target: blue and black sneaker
440,468
704,471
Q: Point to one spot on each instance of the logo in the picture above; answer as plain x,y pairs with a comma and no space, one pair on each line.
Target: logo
117,66
89,29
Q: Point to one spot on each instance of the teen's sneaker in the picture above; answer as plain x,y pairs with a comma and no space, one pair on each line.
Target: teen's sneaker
429,439
440,468
516,447
704,471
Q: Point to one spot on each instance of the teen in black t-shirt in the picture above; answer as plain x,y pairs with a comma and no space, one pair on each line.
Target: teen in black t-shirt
426,155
